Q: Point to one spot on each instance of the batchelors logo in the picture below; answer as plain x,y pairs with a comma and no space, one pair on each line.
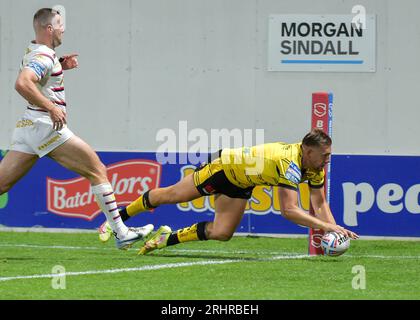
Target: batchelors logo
74,198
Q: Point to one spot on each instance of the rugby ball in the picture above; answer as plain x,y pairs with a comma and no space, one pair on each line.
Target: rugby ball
334,244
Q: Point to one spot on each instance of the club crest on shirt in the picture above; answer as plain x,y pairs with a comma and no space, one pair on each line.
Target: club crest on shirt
293,173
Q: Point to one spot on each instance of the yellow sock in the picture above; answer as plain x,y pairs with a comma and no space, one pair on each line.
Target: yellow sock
141,204
188,234
136,206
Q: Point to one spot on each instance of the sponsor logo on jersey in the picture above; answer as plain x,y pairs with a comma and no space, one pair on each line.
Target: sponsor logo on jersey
38,68
293,173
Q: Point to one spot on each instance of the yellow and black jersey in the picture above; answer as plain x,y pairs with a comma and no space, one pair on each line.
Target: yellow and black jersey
274,164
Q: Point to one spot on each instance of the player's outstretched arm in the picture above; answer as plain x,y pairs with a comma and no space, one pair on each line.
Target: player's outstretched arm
69,61
291,211
320,205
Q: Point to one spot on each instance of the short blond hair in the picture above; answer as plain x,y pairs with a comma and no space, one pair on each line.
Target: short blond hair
43,17
317,138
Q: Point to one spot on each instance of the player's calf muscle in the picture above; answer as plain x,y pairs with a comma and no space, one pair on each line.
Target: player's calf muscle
169,195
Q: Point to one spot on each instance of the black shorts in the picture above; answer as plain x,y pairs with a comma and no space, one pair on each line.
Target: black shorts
210,179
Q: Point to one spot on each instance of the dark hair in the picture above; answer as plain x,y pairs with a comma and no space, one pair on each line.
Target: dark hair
43,17
317,138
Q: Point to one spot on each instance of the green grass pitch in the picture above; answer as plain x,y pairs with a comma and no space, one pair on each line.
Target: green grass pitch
240,269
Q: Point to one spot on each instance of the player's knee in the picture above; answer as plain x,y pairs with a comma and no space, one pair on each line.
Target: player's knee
102,170
4,188
221,235
224,237
98,174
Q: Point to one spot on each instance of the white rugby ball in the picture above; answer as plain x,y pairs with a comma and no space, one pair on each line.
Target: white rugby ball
334,244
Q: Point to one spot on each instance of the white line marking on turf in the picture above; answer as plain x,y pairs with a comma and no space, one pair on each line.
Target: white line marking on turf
279,256
255,252
239,234
52,247
150,267
168,249
290,254
372,256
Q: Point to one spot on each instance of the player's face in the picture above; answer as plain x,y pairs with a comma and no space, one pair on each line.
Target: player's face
320,157
58,30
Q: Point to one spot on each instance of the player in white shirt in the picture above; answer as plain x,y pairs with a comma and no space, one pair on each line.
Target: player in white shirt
42,130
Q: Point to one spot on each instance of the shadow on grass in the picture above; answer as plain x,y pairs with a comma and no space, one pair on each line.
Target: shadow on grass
6,259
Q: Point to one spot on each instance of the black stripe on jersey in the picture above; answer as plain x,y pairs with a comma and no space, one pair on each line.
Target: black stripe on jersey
232,172
280,174
249,179
287,161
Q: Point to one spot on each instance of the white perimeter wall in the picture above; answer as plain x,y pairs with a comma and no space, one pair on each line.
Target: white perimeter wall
146,64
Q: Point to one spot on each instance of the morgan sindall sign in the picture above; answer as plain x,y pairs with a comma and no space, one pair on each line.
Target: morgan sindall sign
321,43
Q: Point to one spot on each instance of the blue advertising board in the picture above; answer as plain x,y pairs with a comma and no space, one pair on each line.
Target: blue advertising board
372,195
377,195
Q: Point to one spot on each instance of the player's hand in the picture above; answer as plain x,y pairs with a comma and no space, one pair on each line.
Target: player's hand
329,227
69,61
58,117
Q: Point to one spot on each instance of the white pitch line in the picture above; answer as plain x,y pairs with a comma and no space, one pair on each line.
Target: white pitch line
150,267
7,245
201,251
282,256
372,256
288,253
34,246
52,247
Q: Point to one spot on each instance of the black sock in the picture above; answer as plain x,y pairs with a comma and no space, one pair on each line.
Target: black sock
201,231
201,234
146,201
124,215
173,239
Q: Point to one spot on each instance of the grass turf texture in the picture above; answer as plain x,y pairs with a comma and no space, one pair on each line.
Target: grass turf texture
243,268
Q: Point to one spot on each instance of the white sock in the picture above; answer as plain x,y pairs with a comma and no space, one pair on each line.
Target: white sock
105,198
